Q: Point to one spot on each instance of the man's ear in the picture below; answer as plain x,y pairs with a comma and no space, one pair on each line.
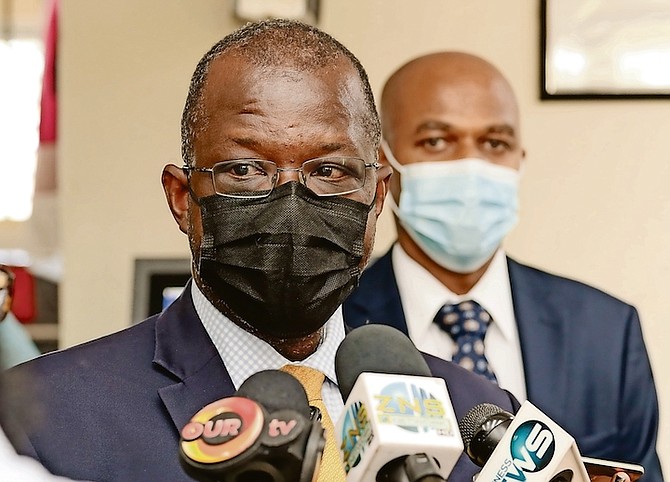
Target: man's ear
383,179
175,185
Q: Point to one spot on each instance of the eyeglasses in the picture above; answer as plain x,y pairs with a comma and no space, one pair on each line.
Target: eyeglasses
256,178
6,291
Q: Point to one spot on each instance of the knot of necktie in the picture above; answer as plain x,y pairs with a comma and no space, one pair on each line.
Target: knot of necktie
310,378
467,322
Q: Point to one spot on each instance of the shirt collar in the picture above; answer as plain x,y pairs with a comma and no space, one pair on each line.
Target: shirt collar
426,294
244,354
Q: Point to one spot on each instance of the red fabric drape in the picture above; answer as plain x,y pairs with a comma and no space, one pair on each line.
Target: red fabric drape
48,116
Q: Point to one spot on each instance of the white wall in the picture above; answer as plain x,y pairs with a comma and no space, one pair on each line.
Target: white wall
594,199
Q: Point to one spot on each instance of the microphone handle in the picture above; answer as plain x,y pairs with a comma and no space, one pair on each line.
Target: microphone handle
411,468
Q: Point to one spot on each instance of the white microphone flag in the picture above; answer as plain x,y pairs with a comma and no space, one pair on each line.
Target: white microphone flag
534,449
388,416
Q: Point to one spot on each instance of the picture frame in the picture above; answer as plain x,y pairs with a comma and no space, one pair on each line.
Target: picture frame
157,281
604,49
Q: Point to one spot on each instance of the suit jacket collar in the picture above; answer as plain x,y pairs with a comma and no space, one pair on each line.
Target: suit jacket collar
387,309
185,351
538,312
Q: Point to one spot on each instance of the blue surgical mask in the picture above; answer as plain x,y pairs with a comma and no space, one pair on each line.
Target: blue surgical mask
458,212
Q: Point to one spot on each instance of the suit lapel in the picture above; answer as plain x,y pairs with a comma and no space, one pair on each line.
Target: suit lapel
544,343
184,349
185,398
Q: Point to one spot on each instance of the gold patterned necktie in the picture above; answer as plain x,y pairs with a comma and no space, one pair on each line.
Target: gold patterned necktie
312,380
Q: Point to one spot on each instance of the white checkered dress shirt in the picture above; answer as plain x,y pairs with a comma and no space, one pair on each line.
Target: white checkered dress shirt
243,354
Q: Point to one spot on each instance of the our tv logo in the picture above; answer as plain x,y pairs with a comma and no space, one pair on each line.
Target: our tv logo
532,448
230,426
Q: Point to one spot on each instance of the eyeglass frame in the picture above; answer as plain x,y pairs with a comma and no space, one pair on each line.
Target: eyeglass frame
188,169
6,301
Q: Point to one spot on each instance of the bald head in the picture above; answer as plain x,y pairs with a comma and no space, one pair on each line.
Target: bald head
451,67
450,86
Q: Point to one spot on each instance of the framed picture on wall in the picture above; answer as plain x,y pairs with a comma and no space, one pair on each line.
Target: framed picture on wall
594,49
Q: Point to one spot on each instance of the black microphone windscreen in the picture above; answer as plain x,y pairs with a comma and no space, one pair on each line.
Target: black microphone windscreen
275,390
472,422
376,349
481,429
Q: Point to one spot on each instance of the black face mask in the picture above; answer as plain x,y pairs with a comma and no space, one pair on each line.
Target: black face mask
283,263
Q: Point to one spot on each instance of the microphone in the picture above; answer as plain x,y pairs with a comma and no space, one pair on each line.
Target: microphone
398,424
527,447
262,434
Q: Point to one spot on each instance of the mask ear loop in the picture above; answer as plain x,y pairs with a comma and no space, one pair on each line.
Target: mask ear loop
399,168
394,206
391,158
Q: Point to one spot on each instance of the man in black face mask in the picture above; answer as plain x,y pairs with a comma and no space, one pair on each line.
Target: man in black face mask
279,195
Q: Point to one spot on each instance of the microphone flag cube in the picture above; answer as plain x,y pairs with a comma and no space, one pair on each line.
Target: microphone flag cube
534,449
388,416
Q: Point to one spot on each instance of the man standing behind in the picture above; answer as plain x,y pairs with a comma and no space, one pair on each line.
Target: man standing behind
278,195
450,123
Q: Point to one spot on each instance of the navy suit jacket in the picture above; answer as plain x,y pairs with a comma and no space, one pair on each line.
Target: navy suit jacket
585,362
112,409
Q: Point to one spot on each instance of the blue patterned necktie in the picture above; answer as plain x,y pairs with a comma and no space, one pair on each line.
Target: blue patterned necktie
466,322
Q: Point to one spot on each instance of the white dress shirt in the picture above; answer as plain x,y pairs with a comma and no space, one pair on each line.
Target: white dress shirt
244,354
423,295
